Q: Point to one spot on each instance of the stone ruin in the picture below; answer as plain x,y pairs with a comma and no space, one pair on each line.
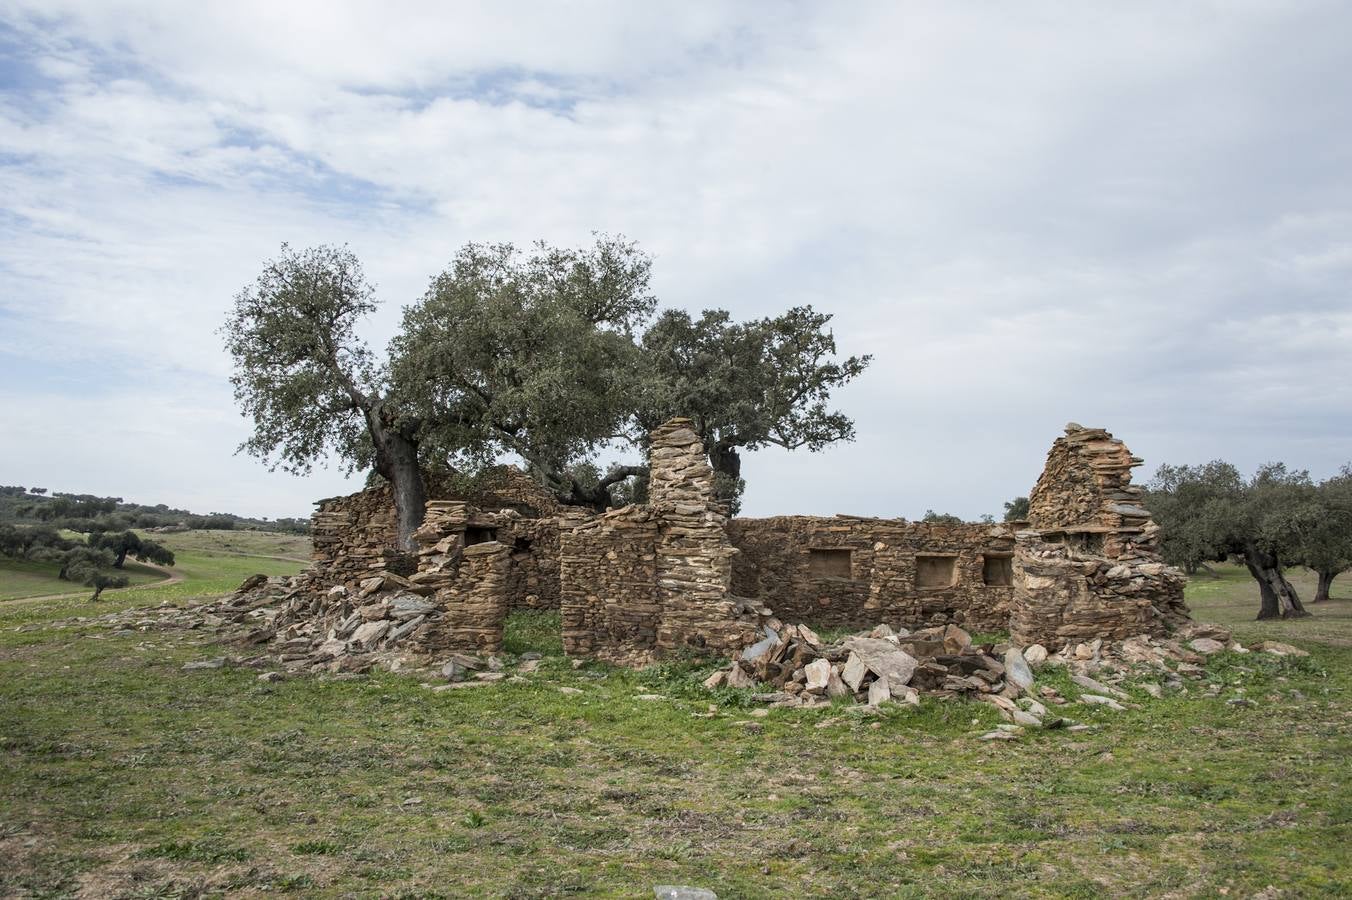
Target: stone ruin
1089,564
648,580
676,575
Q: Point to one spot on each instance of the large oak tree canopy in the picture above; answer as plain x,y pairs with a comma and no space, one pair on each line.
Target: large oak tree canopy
747,385
530,354
310,385
550,355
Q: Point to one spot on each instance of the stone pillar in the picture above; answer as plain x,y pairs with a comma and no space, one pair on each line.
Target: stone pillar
473,606
694,554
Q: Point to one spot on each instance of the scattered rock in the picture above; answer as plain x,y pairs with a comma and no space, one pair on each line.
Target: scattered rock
1206,646
1277,648
853,673
818,674
1098,687
1017,670
999,736
203,665
271,677
682,892
880,691
1035,656
1099,700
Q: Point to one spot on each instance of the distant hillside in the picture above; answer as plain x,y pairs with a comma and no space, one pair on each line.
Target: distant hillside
31,506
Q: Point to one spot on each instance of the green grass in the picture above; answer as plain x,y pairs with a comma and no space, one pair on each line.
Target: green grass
20,578
207,562
122,775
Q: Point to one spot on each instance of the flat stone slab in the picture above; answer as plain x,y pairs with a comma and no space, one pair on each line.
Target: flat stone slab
883,658
682,892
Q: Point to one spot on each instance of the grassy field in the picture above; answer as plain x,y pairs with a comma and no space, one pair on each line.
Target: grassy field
124,775
207,562
28,578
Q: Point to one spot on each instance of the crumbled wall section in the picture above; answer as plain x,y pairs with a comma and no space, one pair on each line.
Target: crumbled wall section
1090,566
468,582
474,606
354,536
796,565
646,581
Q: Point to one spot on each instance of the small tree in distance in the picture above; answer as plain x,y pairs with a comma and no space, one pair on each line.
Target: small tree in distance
1016,510
1209,512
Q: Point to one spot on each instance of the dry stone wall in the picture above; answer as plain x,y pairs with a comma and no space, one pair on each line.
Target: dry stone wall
355,536
1090,566
646,581
468,582
609,604
850,572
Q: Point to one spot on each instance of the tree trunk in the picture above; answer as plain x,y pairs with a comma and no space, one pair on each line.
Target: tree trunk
1279,599
397,460
726,461
727,465
1321,593
121,558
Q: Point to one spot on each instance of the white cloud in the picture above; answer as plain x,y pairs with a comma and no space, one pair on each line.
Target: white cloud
1129,215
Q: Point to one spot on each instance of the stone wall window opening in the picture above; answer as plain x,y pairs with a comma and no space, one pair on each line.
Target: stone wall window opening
997,569
475,535
933,573
1086,541
830,562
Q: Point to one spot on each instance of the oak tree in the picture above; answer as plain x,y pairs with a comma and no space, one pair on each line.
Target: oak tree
311,385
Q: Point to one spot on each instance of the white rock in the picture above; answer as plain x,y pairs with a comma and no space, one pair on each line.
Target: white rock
883,659
1206,646
1098,687
369,632
1017,671
879,692
818,674
854,672
1035,656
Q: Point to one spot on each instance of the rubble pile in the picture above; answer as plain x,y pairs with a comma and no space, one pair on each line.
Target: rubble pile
889,665
875,667
338,631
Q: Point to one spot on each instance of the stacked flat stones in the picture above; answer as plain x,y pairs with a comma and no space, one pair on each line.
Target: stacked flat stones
642,582
1090,566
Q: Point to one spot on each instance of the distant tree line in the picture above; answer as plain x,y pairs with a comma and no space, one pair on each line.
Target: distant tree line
1275,519
558,357
87,512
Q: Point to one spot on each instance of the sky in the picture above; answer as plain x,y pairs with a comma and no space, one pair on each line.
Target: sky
1131,216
